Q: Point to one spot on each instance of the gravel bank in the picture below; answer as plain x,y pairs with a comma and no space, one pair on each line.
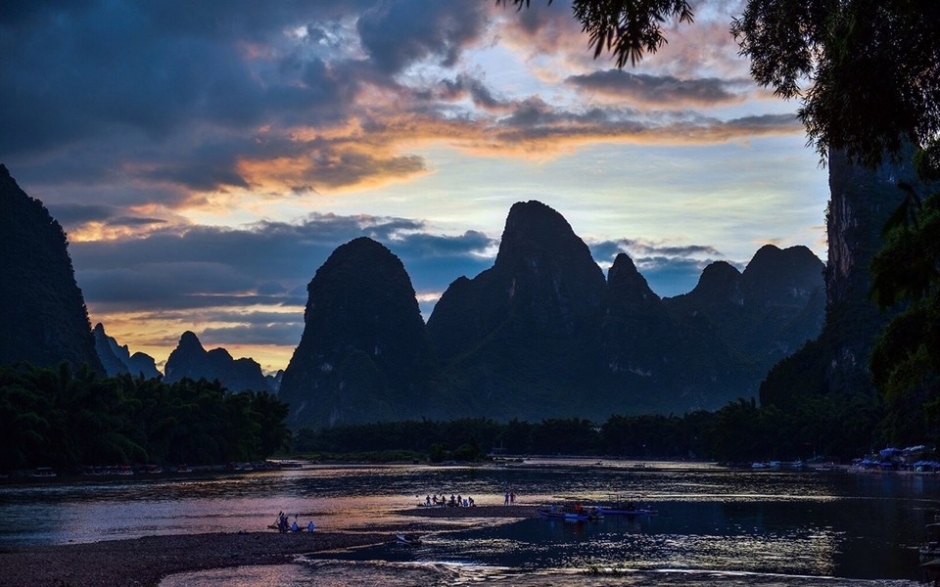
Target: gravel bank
144,561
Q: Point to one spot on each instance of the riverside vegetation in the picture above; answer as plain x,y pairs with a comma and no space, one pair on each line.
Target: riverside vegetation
67,420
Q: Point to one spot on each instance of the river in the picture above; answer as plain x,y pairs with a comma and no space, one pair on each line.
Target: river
714,526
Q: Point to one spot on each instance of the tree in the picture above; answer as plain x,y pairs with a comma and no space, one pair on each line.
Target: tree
905,361
866,72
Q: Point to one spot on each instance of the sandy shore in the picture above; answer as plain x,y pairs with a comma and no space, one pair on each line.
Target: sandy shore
145,561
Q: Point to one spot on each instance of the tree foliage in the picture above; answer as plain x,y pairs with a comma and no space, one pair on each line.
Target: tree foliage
867,72
65,419
740,432
905,361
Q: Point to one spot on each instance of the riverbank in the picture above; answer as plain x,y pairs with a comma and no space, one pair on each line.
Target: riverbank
143,562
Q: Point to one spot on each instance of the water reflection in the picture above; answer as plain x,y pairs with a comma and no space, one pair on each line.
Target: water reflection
710,519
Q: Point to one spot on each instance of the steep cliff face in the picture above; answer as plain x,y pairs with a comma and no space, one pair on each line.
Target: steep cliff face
364,354
41,307
522,334
107,353
783,298
640,345
861,200
637,334
189,359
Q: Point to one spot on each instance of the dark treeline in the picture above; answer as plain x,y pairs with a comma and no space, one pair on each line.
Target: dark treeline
65,419
739,432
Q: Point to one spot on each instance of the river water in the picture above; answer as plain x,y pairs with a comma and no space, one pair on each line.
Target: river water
715,526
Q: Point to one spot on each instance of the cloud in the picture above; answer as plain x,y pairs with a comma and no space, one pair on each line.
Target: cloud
669,269
183,102
663,91
397,34
254,331
264,264
465,85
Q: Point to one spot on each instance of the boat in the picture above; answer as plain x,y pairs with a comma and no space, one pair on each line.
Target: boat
409,539
43,473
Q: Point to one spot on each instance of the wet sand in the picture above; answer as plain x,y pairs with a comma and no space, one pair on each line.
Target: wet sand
143,562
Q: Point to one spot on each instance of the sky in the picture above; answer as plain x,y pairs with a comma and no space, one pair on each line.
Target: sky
205,157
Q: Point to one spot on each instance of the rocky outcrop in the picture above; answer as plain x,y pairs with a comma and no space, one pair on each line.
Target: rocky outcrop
520,336
117,359
364,353
41,307
190,360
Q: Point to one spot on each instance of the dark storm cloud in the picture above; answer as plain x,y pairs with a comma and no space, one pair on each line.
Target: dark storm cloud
266,263
146,83
396,34
663,91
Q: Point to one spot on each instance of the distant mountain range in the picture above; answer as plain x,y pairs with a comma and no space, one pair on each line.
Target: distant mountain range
542,333
189,359
117,359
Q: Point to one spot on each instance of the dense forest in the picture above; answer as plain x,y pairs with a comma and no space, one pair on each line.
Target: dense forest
64,419
740,432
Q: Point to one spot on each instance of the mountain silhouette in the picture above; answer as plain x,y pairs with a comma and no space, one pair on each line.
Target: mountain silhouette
189,359
117,359
41,307
364,353
542,333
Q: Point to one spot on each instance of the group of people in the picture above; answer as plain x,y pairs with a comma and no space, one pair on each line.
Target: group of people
455,501
510,497
283,525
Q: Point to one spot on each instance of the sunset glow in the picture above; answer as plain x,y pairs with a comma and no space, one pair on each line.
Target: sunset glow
204,167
